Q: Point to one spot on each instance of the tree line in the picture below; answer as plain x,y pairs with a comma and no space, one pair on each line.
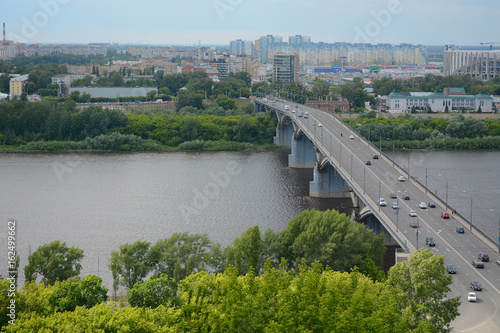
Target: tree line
322,273
412,132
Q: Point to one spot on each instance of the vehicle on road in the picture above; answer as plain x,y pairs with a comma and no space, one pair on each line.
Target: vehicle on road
375,156
422,205
393,195
320,125
413,213
351,137
498,261
445,215
287,107
483,257
306,115
382,202
395,205
402,178
475,286
293,111
414,224
307,112
368,162
451,269
406,197
301,114
432,205
430,241
460,230
471,297
477,263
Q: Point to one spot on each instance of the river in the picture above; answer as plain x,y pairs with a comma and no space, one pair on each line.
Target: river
99,201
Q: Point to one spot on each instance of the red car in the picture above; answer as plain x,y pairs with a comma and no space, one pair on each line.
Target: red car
445,215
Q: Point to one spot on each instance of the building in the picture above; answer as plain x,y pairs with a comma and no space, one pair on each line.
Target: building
265,43
17,85
329,105
9,49
482,65
286,68
240,47
450,99
298,39
65,80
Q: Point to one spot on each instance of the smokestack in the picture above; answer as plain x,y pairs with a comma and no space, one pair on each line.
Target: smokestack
4,31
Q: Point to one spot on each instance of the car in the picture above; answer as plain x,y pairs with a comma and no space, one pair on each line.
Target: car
414,224
320,125
301,114
382,202
351,137
395,205
471,297
432,205
287,107
476,286
413,213
406,197
498,261
375,156
460,230
477,263
393,195
307,112
445,215
450,269
483,257
296,106
430,241
422,205
293,111
368,162
402,178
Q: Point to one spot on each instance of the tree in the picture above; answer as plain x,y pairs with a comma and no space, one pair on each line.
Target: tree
131,264
54,262
150,95
157,290
72,293
425,286
225,102
246,252
191,98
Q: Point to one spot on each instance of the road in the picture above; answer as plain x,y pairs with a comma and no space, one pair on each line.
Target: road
380,179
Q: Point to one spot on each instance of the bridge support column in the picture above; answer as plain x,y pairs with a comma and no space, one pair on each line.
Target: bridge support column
303,153
328,183
284,134
257,107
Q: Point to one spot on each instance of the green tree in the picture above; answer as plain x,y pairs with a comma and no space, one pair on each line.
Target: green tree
72,293
246,251
54,262
425,286
189,98
157,290
225,102
150,95
131,264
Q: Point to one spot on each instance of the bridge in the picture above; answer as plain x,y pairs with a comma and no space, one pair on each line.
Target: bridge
338,155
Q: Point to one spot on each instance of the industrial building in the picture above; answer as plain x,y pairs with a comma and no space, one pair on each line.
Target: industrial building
482,65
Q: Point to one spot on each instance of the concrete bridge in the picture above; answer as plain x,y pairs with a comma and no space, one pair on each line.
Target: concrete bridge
338,156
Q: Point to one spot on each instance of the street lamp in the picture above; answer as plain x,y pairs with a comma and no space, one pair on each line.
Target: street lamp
98,257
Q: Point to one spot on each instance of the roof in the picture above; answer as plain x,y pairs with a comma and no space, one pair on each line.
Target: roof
482,95
450,91
396,94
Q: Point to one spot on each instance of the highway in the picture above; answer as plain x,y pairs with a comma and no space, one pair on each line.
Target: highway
380,179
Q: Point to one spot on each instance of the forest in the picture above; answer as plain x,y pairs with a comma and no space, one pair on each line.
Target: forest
297,280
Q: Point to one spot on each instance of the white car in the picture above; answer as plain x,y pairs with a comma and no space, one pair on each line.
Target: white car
287,107
382,202
401,178
293,111
351,137
422,205
320,125
307,112
413,213
471,297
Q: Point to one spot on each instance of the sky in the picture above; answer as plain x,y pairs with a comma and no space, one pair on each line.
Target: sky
217,22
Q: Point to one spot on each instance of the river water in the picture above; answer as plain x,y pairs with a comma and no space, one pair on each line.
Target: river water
99,201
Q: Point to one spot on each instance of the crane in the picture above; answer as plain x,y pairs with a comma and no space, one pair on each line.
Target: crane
490,44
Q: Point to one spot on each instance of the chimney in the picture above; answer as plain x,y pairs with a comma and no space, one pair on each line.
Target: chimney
4,31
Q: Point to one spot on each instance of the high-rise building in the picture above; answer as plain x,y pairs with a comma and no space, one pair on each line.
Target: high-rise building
298,39
286,68
265,42
483,65
241,47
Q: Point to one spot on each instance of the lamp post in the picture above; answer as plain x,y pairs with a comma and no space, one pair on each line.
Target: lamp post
426,180
351,166
417,233
98,263
364,179
379,196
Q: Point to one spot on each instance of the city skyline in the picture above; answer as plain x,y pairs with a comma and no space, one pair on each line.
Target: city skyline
217,22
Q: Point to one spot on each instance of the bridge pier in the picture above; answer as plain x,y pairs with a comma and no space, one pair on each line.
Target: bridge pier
328,183
303,153
284,132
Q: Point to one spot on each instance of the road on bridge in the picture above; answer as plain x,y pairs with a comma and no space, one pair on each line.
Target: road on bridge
380,179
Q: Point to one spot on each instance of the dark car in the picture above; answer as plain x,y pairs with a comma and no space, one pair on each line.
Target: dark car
483,257
406,197
430,241
460,230
368,162
477,263
432,205
375,157
475,285
451,269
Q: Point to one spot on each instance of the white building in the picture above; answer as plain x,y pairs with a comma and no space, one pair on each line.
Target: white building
439,101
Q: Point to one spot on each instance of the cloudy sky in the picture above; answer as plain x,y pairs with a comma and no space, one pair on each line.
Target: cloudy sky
167,22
